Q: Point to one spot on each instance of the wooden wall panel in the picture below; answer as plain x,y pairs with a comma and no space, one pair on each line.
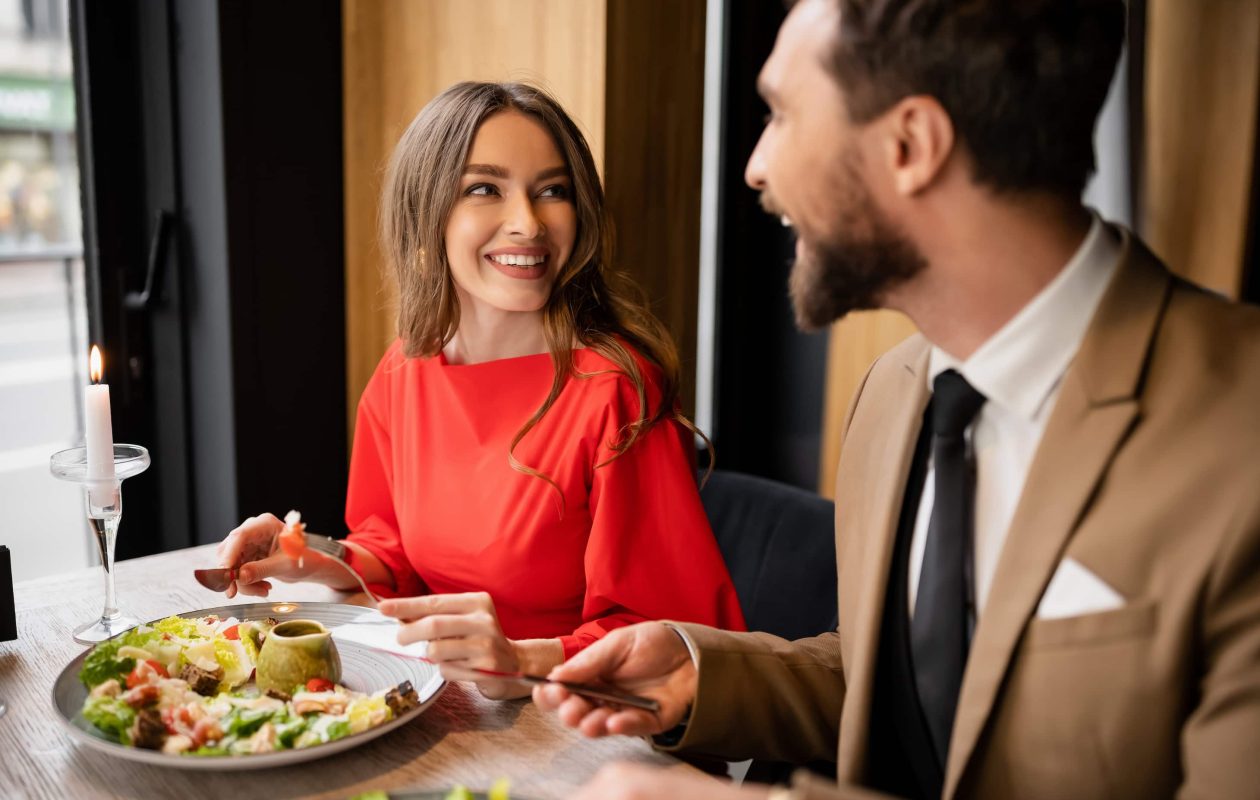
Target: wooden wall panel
1202,83
856,341
655,104
398,55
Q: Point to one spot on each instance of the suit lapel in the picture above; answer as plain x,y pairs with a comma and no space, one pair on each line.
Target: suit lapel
884,464
1096,407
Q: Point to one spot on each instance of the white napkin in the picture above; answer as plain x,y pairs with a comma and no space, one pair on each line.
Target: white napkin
374,629
1074,591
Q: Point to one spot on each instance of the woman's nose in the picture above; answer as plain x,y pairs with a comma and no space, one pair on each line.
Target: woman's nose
523,218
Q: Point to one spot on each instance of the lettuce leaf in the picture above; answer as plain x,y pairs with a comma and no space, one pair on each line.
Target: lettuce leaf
244,721
232,657
144,637
178,626
103,663
288,731
219,749
338,730
367,712
111,715
248,633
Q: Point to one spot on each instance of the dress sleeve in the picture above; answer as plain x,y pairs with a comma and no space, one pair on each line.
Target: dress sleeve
370,513
651,553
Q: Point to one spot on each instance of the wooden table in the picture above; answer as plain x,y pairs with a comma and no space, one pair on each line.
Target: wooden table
462,738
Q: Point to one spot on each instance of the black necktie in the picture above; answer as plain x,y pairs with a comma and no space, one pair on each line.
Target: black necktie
939,636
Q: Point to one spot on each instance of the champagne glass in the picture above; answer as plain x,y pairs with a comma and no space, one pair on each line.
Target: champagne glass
103,501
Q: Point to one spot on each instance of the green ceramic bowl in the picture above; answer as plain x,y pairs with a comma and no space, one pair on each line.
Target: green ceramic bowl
295,651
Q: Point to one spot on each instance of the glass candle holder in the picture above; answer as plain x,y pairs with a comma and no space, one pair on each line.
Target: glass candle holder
103,502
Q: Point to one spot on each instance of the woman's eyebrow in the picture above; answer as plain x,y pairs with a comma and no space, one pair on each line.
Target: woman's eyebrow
493,170
552,172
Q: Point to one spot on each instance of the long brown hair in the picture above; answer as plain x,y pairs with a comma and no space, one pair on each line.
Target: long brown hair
590,302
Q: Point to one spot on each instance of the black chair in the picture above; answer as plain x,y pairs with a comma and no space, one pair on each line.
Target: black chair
779,545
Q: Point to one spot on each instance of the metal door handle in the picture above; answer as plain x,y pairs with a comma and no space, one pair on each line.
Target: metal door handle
148,297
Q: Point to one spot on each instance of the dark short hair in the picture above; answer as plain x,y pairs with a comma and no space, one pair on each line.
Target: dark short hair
1022,80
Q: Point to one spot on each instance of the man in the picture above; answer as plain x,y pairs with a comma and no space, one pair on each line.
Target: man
1048,503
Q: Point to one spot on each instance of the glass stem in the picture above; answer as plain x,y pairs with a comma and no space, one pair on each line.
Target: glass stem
106,531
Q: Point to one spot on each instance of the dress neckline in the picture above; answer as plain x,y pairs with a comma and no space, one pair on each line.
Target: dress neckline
442,360
529,358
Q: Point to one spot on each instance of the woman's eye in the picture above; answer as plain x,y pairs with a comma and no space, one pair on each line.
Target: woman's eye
555,190
481,190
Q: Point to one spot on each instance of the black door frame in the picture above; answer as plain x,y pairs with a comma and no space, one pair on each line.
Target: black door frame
224,116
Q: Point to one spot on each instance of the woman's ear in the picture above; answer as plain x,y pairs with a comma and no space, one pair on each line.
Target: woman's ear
918,141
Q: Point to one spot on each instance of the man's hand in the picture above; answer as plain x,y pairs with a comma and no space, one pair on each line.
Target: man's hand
638,782
648,659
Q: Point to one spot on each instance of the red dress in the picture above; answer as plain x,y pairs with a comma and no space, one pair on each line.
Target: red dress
432,495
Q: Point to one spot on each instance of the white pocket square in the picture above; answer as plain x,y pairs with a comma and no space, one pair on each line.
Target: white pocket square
1074,591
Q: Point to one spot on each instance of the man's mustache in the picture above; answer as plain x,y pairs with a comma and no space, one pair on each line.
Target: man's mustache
769,205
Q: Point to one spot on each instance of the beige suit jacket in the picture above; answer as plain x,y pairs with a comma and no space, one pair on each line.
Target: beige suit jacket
1148,474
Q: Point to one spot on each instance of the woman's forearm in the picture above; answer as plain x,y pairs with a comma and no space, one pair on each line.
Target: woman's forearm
538,656
533,657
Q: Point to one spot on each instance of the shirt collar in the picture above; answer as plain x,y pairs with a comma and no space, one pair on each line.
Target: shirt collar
1019,366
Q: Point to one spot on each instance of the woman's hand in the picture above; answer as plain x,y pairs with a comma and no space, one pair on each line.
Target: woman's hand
463,631
252,549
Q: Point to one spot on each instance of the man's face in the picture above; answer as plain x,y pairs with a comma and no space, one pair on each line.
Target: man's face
809,165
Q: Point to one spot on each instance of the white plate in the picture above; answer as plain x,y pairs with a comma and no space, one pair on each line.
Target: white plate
363,670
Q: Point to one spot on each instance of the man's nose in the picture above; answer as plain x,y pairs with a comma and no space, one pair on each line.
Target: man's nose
523,218
755,171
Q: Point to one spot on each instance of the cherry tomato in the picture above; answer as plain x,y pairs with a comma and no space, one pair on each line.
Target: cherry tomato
233,632
137,677
319,685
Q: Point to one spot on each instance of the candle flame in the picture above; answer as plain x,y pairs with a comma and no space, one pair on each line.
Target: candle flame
96,365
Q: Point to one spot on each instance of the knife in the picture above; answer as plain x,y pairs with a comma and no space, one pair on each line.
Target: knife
216,580
602,694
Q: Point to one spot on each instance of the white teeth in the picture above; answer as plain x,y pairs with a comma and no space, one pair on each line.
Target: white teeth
519,261
787,223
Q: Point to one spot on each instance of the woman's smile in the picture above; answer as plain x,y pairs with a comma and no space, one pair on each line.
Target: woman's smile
525,263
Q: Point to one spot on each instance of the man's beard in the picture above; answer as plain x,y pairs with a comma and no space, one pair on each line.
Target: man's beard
856,265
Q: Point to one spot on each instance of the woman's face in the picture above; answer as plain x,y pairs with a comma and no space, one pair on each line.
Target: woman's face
514,222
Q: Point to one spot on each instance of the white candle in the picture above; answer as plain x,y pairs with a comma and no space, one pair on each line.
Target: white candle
99,433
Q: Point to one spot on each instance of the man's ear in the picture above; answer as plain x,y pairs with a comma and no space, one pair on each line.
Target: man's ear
918,139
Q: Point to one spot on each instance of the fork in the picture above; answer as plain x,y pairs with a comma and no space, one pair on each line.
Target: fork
331,549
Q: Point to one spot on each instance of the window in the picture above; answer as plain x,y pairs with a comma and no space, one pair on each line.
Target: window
42,308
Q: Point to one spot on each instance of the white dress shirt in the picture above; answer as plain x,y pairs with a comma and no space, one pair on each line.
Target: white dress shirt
1018,370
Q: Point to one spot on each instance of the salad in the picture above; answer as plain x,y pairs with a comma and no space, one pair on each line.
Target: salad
184,686
499,791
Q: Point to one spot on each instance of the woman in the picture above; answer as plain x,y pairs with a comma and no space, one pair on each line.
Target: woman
521,479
